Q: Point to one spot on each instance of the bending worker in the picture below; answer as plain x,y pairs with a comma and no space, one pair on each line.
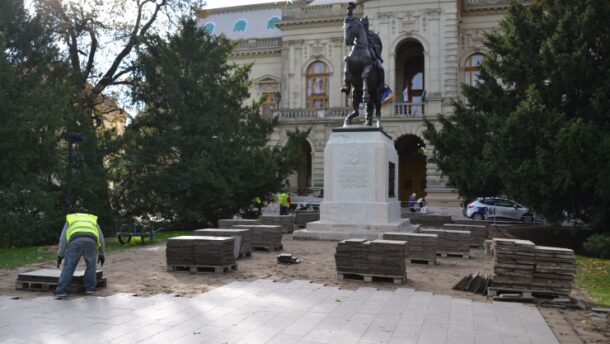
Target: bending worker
80,237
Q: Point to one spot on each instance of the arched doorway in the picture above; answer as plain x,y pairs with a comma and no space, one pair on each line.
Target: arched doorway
410,78
412,167
304,170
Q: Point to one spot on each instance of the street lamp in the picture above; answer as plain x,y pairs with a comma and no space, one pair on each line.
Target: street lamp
72,139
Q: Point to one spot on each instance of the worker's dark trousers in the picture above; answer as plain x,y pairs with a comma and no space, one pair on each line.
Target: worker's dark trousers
87,249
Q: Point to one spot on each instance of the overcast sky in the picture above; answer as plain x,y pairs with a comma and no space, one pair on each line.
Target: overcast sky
228,3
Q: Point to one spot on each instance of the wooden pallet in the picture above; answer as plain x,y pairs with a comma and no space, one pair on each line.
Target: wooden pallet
516,294
421,261
371,277
201,268
453,254
51,286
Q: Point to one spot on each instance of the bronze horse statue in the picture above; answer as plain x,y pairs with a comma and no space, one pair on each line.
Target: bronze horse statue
360,73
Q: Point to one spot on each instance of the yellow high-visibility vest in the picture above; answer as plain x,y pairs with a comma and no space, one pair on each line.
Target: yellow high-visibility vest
82,223
283,199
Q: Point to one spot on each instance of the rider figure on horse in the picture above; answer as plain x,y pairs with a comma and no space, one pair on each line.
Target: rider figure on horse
375,47
363,68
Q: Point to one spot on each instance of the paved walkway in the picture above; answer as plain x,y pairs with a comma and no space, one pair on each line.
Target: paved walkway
267,312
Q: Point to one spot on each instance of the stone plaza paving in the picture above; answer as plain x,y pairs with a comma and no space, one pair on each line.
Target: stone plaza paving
264,311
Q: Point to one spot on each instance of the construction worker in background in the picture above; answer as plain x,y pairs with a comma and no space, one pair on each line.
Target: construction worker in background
284,203
258,202
80,237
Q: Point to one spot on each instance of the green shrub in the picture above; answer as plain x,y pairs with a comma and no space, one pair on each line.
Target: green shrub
598,245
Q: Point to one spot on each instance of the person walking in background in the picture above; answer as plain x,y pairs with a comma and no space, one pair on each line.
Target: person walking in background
80,237
423,208
284,203
411,202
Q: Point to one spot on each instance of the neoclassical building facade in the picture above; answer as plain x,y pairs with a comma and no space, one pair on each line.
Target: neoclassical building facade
430,48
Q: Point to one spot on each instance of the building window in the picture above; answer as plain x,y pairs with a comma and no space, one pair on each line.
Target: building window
317,85
271,23
472,69
240,26
209,28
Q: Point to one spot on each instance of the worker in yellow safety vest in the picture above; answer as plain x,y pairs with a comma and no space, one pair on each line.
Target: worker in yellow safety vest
80,237
284,203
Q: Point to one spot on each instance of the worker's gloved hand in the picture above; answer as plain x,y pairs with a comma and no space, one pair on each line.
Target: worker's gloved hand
101,260
59,259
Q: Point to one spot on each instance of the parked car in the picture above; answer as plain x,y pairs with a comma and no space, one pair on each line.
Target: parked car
498,208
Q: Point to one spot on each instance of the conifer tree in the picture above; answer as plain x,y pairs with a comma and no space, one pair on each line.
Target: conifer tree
196,154
36,100
537,126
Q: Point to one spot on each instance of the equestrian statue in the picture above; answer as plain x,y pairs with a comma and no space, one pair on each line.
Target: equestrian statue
363,67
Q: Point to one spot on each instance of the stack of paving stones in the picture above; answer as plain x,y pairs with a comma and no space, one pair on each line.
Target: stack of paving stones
267,237
513,265
196,253
284,221
47,279
229,223
478,233
387,258
555,270
351,256
451,242
245,246
303,217
420,247
370,259
179,250
214,251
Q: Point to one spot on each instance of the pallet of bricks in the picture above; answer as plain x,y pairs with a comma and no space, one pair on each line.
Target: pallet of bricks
198,253
371,260
47,280
284,221
264,237
528,270
478,233
451,242
245,237
303,217
420,248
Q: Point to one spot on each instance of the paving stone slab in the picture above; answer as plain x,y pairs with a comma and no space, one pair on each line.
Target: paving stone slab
265,311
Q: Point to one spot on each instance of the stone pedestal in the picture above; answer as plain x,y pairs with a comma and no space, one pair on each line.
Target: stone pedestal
360,187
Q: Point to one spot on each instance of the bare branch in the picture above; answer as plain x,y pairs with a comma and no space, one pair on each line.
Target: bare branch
92,52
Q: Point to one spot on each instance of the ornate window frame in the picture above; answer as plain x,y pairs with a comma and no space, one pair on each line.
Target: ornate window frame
314,81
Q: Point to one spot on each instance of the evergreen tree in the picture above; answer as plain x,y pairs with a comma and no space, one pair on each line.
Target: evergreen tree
196,154
537,127
36,107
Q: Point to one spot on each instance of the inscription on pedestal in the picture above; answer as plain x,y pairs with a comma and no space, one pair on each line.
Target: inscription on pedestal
354,173
354,177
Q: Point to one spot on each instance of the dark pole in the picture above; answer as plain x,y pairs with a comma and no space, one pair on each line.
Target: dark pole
69,177
72,139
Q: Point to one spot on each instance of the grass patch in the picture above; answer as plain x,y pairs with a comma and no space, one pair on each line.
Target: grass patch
14,257
593,275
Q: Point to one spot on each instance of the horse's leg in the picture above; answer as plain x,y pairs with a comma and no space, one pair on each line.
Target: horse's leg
347,78
377,102
369,114
366,73
356,100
